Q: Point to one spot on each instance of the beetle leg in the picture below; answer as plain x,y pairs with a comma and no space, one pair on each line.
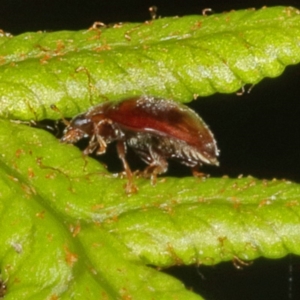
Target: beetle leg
158,165
102,145
155,169
197,173
91,146
130,186
100,141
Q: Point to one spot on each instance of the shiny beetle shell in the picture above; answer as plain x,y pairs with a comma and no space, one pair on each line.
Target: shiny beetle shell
156,129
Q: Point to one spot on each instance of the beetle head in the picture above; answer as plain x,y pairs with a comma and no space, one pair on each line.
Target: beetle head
79,127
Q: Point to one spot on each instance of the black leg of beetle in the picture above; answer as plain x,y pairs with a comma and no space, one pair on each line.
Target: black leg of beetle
121,148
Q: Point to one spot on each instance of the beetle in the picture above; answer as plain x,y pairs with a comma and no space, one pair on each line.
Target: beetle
156,129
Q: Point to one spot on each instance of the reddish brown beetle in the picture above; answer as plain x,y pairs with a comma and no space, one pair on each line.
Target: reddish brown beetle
155,128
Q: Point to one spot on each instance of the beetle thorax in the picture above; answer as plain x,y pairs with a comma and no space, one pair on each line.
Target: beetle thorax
108,131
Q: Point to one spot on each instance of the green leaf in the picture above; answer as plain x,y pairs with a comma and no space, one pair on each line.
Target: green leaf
54,205
179,58
68,229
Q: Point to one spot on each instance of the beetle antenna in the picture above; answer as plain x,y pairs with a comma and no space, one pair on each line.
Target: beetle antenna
55,108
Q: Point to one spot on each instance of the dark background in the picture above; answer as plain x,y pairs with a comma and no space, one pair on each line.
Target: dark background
258,133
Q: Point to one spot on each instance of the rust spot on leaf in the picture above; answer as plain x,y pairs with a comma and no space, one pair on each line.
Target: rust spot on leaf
71,257
264,202
197,25
44,60
40,215
19,152
97,207
54,297
292,203
30,173
3,289
15,179
74,229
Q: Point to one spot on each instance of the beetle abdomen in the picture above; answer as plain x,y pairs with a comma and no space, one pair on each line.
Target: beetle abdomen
163,117
146,144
